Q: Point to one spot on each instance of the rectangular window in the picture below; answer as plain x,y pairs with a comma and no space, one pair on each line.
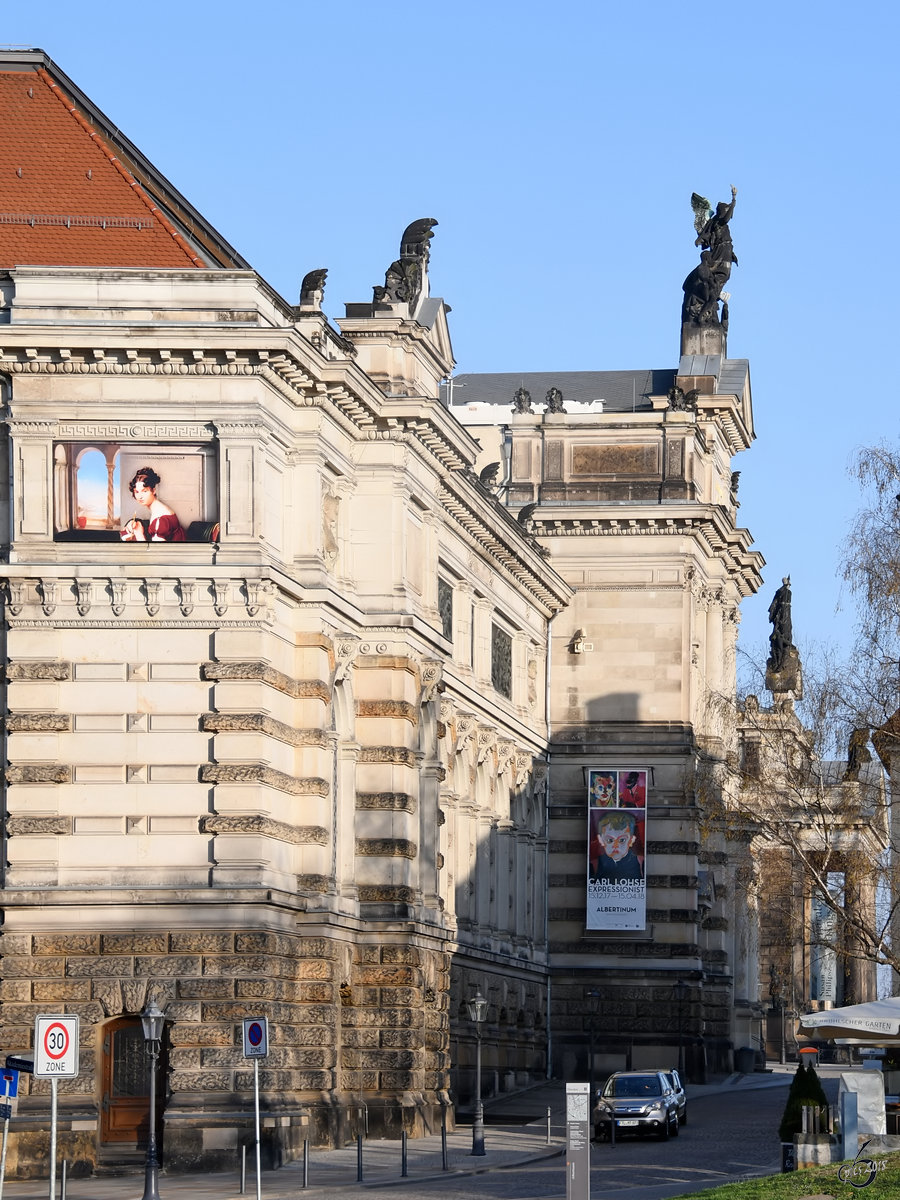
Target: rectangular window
445,607
501,661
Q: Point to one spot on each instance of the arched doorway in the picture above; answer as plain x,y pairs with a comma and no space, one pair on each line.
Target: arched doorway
125,1109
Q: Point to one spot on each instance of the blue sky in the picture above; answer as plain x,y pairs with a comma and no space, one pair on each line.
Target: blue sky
558,146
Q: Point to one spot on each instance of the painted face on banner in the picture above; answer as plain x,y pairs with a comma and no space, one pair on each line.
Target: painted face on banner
616,842
603,789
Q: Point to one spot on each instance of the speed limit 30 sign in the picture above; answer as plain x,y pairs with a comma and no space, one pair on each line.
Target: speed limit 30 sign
56,1045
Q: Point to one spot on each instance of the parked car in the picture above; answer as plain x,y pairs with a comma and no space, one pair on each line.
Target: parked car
678,1088
638,1102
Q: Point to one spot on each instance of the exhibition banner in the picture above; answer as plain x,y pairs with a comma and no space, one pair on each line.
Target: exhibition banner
617,824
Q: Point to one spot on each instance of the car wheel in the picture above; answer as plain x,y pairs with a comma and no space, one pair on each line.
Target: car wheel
684,1117
675,1126
665,1133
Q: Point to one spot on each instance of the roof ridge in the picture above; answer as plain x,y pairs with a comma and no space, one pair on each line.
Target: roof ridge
97,138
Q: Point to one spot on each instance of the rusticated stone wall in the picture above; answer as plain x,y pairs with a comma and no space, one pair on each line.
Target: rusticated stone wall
344,1019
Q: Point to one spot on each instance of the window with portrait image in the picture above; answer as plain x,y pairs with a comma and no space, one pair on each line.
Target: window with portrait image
133,493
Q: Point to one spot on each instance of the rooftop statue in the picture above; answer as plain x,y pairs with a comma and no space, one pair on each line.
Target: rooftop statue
312,289
703,286
780,615
522,401
405,281
555,402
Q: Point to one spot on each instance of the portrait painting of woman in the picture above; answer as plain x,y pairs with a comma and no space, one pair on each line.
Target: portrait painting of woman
163,524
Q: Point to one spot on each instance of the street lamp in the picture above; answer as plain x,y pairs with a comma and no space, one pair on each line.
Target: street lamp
776,991
682,988
153,1021
477,1008
593,998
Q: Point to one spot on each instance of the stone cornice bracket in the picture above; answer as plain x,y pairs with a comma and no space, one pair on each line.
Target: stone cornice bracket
466,726
85,590
118,590
15,595
151,593
487,741
346,649
220,605
525,767
187,590
506,754
49,591
432,679
448,707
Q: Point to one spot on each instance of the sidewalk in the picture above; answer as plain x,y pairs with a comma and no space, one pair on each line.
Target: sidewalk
523,1140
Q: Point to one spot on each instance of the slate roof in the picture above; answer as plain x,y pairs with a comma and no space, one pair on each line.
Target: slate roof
622,391
74,192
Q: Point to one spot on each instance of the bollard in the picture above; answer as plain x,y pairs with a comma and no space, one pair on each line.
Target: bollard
243,1169
445,1162
306,1162
62,1182
359,1161
548,1126
403,1159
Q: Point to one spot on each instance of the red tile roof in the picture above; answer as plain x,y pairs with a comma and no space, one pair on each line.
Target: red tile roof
66,199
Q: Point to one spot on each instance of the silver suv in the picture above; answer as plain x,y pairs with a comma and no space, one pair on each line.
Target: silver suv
639,1102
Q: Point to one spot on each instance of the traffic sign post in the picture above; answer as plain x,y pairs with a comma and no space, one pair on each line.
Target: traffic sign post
9,1079
256,1046
55,1057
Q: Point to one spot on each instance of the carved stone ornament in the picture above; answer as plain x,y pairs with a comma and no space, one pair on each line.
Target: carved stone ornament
119,592
15,590
296,835
487,740
258,773
346,648
522,401
151,594
220,605
312,290
432,680
466,726
406,279
49,593
187,590
85,596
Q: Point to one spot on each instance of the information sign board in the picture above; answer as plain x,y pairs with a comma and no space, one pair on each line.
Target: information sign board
56,1046
256,1037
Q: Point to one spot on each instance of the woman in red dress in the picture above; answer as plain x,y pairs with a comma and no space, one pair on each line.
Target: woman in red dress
164,525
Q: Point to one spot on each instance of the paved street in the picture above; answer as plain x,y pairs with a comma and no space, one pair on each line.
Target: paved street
730,1133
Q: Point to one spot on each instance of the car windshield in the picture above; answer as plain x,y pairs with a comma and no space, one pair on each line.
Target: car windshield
633,1087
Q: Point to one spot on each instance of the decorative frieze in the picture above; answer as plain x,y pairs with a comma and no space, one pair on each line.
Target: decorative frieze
400,709
38,670
297,835
261,672
259,773
262,723
395,756
373,893
37,826
386,848
45,722
386,801
39,773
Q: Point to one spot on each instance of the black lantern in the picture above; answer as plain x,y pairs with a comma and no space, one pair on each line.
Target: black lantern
153,1020
477,1009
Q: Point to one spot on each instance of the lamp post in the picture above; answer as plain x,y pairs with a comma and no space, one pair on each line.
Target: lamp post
153,1020
477,1008
593,1007
681,987
776,991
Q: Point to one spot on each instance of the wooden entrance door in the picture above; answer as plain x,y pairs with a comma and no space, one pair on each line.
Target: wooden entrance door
125,1118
